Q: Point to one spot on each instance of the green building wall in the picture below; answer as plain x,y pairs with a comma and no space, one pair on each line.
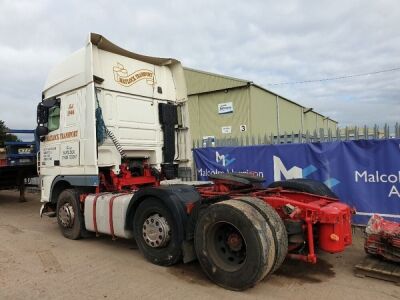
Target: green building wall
263,112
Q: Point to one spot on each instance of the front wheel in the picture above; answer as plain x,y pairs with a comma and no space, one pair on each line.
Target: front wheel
156,233
69,215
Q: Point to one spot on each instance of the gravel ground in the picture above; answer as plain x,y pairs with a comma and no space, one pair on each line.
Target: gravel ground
37,262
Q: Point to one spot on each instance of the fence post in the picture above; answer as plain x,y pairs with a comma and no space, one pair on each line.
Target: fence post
299,137
321,135
386,131
315,137
366,132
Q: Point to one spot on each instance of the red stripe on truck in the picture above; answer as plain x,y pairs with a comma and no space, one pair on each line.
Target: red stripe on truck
94,213
110,214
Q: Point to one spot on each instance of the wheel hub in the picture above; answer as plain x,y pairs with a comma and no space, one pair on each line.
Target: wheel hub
234,241
156,231
227,247
66,215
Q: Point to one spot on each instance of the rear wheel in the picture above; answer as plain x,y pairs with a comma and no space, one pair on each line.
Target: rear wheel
155,232
69,215
234,244
277,226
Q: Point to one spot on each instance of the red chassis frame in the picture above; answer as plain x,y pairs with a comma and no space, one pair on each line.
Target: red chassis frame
111,182
323,217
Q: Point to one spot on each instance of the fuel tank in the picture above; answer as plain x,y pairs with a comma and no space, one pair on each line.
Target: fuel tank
106,213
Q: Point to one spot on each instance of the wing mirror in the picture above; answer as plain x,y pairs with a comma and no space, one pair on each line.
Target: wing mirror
48,103
42,113
42,116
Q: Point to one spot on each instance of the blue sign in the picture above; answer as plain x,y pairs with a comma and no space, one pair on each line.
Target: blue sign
364,174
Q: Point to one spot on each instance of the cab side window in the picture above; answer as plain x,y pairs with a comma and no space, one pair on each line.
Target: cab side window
54,118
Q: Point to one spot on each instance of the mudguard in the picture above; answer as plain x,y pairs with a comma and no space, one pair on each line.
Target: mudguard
175,197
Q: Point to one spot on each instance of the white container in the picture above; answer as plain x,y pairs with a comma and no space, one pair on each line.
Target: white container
105,203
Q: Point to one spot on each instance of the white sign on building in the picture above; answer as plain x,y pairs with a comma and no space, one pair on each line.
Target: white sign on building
225,108
226,129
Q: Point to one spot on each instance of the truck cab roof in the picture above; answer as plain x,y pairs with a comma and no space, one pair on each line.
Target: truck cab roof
81,67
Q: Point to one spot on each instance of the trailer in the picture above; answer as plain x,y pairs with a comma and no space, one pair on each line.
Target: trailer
18,162
113,127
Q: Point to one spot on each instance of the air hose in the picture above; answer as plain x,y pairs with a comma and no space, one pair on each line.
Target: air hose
102,131
116,143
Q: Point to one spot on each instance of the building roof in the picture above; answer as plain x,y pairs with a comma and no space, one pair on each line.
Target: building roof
210,82
202,82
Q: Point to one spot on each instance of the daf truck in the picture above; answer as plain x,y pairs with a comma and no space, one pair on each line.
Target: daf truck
113,126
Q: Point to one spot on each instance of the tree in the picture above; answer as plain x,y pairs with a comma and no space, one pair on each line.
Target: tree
4,137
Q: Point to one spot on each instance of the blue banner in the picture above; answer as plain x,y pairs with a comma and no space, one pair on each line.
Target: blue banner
364,174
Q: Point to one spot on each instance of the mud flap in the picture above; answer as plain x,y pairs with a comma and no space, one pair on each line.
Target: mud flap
46,210
189,254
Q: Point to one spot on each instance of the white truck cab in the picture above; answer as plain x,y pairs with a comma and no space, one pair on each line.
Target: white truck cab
104,104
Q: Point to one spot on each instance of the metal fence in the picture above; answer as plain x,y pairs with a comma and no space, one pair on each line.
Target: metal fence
340,134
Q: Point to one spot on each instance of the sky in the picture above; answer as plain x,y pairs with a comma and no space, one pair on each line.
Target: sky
263,41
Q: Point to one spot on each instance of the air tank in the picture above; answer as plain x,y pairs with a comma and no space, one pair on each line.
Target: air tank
335,229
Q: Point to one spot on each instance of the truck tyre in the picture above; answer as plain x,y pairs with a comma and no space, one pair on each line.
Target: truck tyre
69,215
305,185
234,244
155,232
277,226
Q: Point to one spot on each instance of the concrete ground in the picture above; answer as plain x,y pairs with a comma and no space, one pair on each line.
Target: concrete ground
37,262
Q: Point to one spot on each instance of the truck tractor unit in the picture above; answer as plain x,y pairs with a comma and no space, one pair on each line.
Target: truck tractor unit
113,128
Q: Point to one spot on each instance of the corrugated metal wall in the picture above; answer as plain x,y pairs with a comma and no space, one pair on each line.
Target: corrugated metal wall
261,111
289,116
205,119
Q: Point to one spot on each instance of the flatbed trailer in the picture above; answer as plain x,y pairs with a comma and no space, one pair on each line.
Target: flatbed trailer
18,163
